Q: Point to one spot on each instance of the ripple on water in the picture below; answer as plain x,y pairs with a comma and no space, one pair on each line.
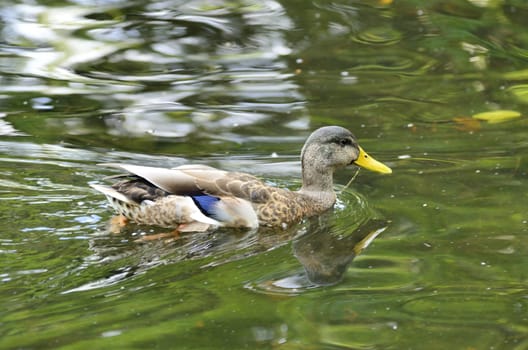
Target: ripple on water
462,307
367,334
378,36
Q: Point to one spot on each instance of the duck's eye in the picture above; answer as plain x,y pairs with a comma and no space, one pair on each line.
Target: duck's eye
345,142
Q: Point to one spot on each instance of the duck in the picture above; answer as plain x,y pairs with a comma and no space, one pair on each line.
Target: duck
197,197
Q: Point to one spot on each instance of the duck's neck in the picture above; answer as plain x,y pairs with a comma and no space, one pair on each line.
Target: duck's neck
318,183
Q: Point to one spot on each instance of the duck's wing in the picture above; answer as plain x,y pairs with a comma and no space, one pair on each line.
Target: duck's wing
200,179
172,181
230,184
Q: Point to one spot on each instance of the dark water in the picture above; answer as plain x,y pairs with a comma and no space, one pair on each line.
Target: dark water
239,85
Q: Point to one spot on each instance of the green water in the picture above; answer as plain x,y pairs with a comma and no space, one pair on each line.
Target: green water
240,85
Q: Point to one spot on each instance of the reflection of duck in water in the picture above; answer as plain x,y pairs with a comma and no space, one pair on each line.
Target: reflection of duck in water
194,197
325,252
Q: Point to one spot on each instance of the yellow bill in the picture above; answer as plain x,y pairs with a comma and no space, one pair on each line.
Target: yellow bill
367,162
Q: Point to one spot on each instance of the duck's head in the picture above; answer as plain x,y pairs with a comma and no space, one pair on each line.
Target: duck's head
333,147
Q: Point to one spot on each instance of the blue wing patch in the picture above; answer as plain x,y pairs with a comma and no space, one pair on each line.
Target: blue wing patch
205,203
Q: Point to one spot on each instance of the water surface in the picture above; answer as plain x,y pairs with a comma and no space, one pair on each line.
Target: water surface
240,85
